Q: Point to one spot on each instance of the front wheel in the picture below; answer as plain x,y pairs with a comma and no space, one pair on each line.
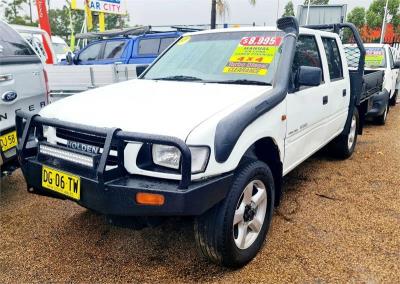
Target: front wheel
343,146
231,233
393,100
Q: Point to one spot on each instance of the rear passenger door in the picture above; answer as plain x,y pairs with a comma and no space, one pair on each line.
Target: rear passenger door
306,107
338,92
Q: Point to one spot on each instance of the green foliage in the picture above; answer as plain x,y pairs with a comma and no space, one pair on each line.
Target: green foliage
13,10
357,17
316,2
376,10
289,9
60,21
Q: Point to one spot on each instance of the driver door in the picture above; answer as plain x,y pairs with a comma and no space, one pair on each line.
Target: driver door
306,107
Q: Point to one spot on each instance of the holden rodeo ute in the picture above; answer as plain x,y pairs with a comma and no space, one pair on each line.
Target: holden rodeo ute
208,130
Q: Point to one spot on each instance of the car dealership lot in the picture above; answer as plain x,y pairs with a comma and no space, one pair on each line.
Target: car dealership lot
338,221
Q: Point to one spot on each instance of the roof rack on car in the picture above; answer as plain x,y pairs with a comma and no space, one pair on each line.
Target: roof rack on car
115,33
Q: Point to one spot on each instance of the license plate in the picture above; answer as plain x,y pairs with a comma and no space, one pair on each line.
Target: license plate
8,141
61,182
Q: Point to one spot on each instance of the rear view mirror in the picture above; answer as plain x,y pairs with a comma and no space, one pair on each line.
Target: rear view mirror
396,65
309,76
140,69
68,58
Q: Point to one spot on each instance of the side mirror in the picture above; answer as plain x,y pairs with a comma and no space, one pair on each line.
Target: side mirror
140,69
308,76
396,65
68,58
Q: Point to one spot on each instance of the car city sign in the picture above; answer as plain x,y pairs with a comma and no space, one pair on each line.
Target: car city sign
105,6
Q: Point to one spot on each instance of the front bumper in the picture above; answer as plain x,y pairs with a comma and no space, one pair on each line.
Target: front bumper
117,197
113,191
379,104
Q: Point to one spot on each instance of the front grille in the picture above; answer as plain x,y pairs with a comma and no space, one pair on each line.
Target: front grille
89,139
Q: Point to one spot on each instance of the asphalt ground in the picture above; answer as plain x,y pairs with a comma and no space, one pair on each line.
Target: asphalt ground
339,221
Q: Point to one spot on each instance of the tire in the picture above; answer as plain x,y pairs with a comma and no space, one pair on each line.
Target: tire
381,119
233,245
393,100
342,147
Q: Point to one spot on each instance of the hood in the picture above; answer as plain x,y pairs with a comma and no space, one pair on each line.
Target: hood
153,107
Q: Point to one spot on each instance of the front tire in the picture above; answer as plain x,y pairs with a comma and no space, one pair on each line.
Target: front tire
393,100
231,233
343,146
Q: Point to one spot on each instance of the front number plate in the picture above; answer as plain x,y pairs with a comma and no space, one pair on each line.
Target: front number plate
8,141
61,182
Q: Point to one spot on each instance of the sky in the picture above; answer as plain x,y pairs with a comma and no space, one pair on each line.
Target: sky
191,12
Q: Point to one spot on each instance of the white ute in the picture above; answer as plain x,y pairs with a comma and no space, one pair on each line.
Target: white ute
379,57
22,87
208,130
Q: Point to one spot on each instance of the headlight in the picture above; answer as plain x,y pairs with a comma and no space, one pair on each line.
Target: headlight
170,157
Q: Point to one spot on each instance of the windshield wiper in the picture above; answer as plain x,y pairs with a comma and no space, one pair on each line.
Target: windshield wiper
241,82
179,78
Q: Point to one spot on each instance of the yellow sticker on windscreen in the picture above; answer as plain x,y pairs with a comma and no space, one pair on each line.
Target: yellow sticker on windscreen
184,40
374,57
253,55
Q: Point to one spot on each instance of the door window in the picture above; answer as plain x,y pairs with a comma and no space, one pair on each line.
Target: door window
333,57
91,53
149,46
165,42
12,44
114,49
307,54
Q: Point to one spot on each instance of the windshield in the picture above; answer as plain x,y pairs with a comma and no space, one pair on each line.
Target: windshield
374,57
60,48
242,57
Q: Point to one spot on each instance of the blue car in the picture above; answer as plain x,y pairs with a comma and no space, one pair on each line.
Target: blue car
136,49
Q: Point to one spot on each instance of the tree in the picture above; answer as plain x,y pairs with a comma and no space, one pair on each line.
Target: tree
316,2
60,21
12,12
289,9
357,17
376,11
221,6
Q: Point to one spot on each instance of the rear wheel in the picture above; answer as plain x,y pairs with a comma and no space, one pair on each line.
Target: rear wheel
232,233
393,100
343,146
381,120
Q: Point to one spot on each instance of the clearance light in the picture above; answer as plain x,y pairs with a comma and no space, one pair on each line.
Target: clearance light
150,199
83,160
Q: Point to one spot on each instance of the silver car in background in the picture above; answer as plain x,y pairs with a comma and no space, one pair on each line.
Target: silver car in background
23,85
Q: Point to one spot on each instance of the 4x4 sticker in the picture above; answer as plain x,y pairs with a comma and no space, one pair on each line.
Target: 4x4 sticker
253,55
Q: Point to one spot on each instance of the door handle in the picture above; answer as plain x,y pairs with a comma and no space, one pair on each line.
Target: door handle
5,77
325,100
344,92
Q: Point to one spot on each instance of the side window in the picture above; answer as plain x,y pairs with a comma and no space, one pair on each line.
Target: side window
114,49
165,42
391,61
333,57
307,53
149,46
91,53
12,44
